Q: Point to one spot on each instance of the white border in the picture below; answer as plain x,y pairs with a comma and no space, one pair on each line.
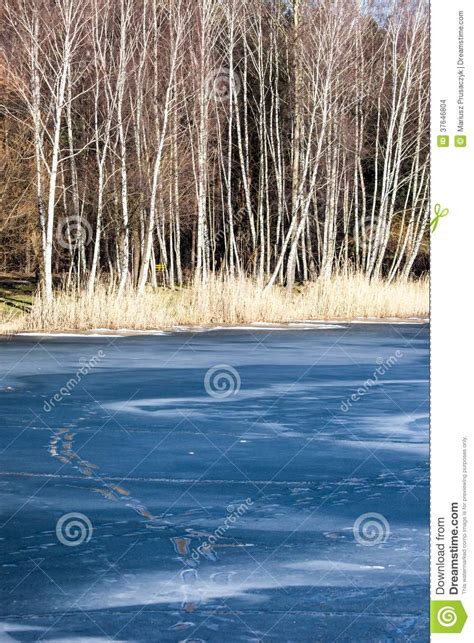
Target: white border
452,257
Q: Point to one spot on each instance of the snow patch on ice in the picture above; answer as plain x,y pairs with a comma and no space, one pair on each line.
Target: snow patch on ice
82,335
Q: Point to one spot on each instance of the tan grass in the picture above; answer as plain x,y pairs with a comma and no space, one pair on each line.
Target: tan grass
226,301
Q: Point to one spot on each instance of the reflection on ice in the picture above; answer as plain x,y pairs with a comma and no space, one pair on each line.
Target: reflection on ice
247,583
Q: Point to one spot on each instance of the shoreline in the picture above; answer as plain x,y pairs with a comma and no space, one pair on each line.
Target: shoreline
301,325
223,302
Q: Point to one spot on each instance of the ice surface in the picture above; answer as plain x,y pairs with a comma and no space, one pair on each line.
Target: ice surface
157,465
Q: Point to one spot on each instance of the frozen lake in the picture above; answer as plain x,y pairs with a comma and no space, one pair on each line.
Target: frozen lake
234,485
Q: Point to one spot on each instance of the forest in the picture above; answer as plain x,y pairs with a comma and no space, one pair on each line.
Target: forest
163,142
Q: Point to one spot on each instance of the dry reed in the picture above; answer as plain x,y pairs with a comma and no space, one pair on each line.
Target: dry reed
225,301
